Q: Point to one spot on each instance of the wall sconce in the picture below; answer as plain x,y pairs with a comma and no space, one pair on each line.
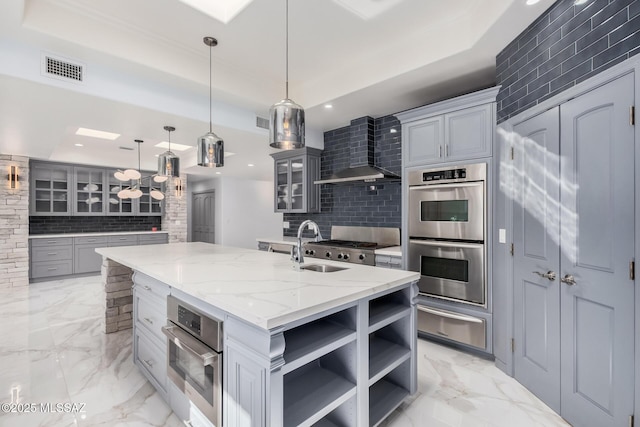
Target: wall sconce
13,177
179,188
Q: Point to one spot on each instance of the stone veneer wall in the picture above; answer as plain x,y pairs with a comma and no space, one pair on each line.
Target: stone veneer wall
14,224
567,44
356,203
174,214
118,283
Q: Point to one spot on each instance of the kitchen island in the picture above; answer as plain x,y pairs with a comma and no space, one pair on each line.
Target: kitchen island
301,347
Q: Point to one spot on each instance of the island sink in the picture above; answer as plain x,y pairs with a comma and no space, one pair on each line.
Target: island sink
323,268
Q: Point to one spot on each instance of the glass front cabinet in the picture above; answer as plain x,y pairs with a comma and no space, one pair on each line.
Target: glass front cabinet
50,189
60,189
295,172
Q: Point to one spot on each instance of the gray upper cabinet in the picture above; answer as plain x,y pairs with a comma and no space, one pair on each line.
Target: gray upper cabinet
89,190
295,171
50,189
60,189
461,128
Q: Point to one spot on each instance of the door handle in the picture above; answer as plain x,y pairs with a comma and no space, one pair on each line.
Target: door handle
568,279
551,275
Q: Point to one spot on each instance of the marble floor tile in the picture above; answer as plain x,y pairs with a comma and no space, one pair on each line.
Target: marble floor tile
55,351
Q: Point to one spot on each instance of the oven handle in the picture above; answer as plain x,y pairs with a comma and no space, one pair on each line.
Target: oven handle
441,243
186,342
448,186
449,315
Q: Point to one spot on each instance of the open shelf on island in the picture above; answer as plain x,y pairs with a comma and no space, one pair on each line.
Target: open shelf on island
312,392
384,397
384,312
384,356
325,423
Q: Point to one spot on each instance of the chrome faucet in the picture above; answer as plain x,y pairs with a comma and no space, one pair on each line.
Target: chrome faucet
296,251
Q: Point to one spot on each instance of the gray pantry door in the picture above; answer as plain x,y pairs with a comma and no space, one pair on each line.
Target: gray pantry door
597,245
203,217
574,216
536,169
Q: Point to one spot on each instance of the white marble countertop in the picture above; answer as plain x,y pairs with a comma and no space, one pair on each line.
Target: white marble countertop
114,233
258,287
392,251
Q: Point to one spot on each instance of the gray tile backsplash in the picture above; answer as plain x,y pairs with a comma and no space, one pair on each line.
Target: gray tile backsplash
91,224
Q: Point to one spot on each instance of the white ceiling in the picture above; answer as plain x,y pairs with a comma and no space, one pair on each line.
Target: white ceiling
146,67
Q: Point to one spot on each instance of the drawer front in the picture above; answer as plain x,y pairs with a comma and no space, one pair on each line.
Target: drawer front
56,241
51,269
151,315
51,253
152,358
146,286
97,240
127,240
395,261
465,329
152,239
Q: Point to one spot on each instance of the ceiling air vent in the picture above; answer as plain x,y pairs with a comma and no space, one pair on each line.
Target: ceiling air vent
125,148
261,122
62,69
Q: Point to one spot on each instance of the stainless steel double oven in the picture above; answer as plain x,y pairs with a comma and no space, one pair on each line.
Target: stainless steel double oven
447,226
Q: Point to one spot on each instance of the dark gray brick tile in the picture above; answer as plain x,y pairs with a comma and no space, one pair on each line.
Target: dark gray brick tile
624,31
515,96
532,31
574,35
544,79
533,96
558,59
634,52
602,30
616,50
562,9
572,75
517,61
509,80
509,50
523,81
526,47
581,16
613,8
575,60
602,68
546,43
557,91
634,8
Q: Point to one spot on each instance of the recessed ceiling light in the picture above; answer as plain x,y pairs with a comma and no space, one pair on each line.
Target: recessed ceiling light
174,146
229,153
223,11
218,173
251,165
157,155
393,130
79,145
97,133
328,106
532,2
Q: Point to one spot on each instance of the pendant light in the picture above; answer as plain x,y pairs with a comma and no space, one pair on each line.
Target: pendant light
286,118
210,145
169,163
134,191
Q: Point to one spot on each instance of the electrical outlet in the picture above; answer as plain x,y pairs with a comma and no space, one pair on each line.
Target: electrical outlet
502,235
285,224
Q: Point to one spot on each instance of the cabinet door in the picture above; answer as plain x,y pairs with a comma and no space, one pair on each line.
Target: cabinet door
116,205
246,389
282,186
469,133
89,191
424,141
50,189
147,205
86,259
297,189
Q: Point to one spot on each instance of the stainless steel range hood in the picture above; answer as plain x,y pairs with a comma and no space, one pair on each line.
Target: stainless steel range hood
359,173
361,157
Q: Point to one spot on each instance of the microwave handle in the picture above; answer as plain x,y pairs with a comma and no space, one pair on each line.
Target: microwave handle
447,186
186,342
449,315
440,243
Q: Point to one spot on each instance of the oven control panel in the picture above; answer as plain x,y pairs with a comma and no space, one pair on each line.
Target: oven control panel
442,175
189,320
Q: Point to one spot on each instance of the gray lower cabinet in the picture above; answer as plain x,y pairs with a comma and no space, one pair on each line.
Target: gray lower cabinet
150,344
64,256
85,258
246,386
50,257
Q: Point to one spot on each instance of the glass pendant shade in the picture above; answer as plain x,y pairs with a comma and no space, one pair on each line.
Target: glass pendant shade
168,164
210,151
286,125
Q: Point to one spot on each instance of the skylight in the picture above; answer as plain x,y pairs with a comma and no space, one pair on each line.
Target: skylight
97,133
174,146
222,10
